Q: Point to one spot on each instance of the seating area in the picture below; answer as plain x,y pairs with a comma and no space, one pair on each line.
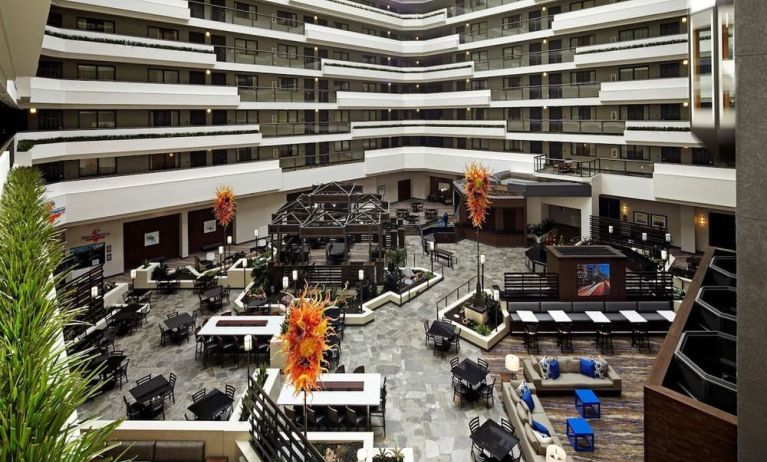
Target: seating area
158,451
570,376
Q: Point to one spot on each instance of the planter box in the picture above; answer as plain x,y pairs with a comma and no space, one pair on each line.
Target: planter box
407,452
144,278
115,296
276,356
271,387
482,341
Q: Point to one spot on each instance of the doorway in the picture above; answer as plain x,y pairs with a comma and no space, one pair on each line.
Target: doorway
721,230
609,208
403,190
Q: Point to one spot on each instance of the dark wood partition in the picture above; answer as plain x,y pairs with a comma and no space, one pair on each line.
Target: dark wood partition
567,261
197,235
135,237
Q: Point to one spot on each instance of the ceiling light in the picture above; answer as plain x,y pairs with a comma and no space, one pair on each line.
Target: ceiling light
685,62
207,71
33,110
684,19
208,111
685,104
207,33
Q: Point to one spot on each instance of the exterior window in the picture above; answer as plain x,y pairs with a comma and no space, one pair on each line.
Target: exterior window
511,22
219,156
581,113
244,10
701,157
162,76
92,167
287,51
341,146
514,113
96,119
632,152
479,84
50,69
633,34
634,73
285,18
341,116
95,72
670,28
341,25
480,143
575,6
96,25
513,145
218,117
246,154
247,80
54,19
198,159
245,51
479,56
671,155
163,161
196,117
370,143
669,70
246,117
582,41
582,77
218,78
370,115
341,85
369,31
164,118
341,55
50,119
288,83
287,117
162,33
196,78
670,112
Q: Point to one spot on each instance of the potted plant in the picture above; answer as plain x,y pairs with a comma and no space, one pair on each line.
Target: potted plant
385,455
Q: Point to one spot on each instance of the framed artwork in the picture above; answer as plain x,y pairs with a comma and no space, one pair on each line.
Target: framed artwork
208,226
659,221
151,239
641,218
109,257
109,248
382,190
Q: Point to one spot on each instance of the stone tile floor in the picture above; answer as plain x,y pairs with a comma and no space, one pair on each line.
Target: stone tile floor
420,411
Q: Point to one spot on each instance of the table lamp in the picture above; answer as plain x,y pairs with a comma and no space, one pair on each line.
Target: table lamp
555,453
512,364
362,455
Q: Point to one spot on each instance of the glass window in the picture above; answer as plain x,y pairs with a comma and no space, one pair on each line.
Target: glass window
246,117
701,156
341,85
89,167
246,154
287,51
670,28
50,119
219,156
50,69
96,25
341,146
164,118
96,119
163,161
162,76
244,10
341,25
288,83
162,33
671,154
95,72
341,55
198,159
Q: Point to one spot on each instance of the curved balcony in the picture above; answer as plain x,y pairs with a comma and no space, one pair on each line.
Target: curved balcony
223,14
562,91
660,133
301,129
441,128
368,100
590,127
98,46
346,69
526,60
667,48
379,16
174,11
715,309
508,29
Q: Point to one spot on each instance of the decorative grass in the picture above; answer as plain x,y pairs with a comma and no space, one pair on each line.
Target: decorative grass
40,386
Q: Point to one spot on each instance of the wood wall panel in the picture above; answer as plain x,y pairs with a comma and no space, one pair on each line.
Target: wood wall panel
133,239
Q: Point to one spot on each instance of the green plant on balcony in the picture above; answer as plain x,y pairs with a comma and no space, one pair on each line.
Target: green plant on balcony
41,387
126,42
618,47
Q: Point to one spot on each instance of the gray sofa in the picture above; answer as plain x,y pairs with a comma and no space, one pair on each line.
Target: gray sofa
521,417
570,377
158,451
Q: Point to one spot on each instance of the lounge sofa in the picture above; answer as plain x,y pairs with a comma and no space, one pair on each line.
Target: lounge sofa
570,377
159,451
520,417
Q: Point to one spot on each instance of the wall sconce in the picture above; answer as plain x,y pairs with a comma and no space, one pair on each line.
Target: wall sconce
668,237
33,110
132,274
94,292
221,250
644,236
625,209
700,219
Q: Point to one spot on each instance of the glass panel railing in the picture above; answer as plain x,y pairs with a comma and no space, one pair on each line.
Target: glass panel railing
514,28
265,58
598,127
590,167
564,55
203,10
626,166
470,6
319,160
303,128
577,90
286,95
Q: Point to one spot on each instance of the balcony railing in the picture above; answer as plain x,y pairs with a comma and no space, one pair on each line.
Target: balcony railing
228,15
592,127
478,5
303,128
563,55
568,90
265,58
519,27
286,95
321,160
589,168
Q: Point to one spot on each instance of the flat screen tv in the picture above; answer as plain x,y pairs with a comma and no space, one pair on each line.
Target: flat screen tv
593,279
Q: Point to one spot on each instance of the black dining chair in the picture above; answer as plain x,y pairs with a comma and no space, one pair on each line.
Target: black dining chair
164,334
143,380
565,337
210,347
293,417
482,364
171,315
439,345
229,391
133,411
488,392
604,338
223,415
121,372
459,389
156,407
530,338
359,370
454,362
198,395
336,419
225,293
340,369
455,341
354,419
379,411
474,424
172,392
429,337
314,420
506,425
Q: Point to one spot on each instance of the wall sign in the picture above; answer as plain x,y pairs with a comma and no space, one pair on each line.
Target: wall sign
152,238
208,226
95,236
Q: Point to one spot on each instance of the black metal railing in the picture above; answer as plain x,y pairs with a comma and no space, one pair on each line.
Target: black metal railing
649,285
76,293
510,28
518,287
303,128
466,287
590,127
244,17
627,234
565,90
590,167
321,160
273,435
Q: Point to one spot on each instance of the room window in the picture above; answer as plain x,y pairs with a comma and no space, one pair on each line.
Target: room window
632,152
369,115
341,85
370,87
50,69
341,146
287,51
670,112
50,119
341,55
287,117
368,59
634,73
245,50
218,78
102,166
669,70
164,118
96,25
162,33
196,78
511,22
95,72
197,117
514,113
479,84
370,143
162,76
219,117
246,117
96,119
341,116
670,28
480,143
634,34
513,145
341,25
247,80
286,18
575,6
198,159
701,157
582,41
672,155
244,10
247,154
163,161
219,156
288,83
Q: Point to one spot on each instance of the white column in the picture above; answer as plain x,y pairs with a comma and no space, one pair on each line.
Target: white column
687,228
184,238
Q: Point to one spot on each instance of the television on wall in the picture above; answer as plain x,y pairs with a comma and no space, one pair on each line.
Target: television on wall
593,279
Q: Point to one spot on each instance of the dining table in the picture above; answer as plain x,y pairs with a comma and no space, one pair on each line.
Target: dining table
156,386
470,372
494,440
212,404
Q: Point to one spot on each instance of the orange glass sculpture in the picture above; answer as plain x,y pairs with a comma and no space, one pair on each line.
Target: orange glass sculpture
224,205
477,193
304,342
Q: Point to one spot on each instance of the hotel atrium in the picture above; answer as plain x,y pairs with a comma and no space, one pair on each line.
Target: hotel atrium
524,211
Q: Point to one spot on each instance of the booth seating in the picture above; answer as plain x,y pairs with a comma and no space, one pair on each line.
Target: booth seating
582,323
158,451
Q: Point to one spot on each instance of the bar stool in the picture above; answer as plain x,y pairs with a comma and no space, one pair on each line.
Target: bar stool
565,337
531,337
604,338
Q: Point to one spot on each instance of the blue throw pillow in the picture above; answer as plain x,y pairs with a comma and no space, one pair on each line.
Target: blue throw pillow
528,399
554,369
539,427
587,367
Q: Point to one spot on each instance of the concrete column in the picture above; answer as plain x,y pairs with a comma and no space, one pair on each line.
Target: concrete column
687,226
184,237
751,221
